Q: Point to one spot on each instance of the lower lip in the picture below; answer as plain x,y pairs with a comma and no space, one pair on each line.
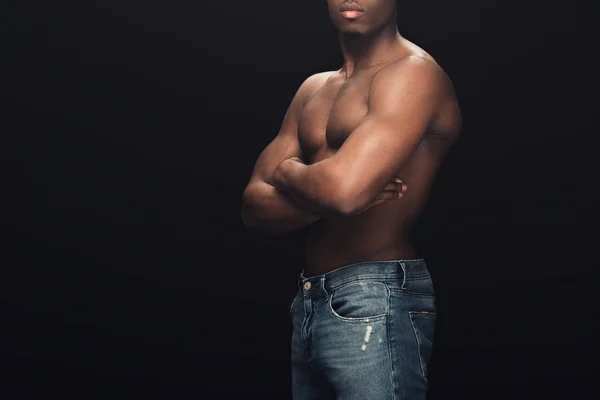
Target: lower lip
351,14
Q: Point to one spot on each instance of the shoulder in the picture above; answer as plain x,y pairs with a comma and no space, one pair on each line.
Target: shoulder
421,85
318,79
415,88
413,75
308,87
313,83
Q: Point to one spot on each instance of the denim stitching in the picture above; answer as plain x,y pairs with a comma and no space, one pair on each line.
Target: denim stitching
389,344
400,292
375,318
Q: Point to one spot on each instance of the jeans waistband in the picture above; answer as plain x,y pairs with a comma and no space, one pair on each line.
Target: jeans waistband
404,270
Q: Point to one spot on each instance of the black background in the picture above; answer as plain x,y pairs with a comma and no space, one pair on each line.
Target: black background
132,128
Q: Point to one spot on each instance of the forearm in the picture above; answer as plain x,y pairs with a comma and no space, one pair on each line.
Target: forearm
268,210
311,186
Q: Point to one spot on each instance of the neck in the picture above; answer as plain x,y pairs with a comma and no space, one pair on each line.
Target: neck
363,51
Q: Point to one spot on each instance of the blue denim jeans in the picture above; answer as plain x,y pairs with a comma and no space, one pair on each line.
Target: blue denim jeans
363,332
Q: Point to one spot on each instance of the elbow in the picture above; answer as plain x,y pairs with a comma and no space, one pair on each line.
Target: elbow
250,216
348,202
349,211
253,218
254,223
247,217
348,207
249,211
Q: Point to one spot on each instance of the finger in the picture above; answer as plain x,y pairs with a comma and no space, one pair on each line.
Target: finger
393,187
398,187
389,195
400,181
385,197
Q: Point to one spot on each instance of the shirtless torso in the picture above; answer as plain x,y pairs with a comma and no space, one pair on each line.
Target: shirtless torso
330,114
326,110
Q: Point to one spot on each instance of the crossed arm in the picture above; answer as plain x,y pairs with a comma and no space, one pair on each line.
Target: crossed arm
284,194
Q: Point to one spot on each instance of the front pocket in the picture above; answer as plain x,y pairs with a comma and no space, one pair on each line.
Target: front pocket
423,324
360,301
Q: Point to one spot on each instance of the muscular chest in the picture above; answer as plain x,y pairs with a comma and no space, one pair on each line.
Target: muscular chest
330,115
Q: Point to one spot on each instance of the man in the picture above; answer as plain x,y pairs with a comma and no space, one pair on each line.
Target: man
353,163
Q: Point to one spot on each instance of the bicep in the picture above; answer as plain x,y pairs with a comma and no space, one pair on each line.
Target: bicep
373,154
401,107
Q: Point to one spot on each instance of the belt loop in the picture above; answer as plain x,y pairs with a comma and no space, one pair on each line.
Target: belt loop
323,286
300,280
403,274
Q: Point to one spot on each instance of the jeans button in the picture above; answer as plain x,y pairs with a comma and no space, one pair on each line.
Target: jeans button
307,286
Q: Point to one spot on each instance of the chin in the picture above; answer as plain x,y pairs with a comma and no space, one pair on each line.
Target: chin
352,31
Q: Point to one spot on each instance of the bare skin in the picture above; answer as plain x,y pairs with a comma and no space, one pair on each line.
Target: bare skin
359,147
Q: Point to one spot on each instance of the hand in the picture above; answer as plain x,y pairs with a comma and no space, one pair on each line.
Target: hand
392,191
